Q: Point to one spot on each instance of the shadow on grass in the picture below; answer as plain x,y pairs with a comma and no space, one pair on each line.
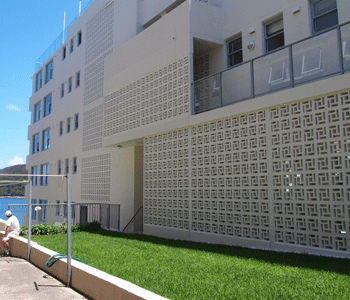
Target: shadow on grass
321,263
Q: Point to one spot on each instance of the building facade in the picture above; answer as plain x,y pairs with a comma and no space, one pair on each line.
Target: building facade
228,122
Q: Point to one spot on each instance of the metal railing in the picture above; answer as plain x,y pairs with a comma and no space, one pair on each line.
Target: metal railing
135,225
108,215
62,37
310,59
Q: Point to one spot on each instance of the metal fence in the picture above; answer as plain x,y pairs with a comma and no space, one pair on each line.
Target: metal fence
106,214
313,58
135,225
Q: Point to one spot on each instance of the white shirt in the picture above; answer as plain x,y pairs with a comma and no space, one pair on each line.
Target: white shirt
13,223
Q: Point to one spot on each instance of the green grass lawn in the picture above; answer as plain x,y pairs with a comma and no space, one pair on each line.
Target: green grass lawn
186,270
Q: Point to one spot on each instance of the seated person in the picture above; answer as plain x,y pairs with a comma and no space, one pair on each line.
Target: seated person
12,230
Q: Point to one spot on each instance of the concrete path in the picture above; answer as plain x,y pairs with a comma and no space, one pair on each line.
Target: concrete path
19,279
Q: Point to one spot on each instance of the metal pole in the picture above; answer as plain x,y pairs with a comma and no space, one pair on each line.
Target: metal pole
64,26
79,7
69,249
30,218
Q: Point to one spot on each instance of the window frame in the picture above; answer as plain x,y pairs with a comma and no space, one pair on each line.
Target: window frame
62,89
67,166
42,214
44,180
59,167
46,139
77,79
71,46
60,133
70,84
49,71
47,105
274,35
35,171
68,125
75,165
314,17
64,52
229,54
39,80
76,121
37,112
80,37
36,143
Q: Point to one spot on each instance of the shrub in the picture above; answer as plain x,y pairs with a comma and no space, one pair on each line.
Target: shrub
44,229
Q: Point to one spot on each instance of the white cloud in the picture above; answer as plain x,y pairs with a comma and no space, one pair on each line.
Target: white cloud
16,160
13,107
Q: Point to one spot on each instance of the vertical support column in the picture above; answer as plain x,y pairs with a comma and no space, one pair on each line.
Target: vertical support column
252,78
69,248
291,70
64,26
30,219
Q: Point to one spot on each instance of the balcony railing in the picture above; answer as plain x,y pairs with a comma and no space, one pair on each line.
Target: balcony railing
319,56
62,37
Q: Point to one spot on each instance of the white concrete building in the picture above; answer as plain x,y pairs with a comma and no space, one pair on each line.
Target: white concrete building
228,121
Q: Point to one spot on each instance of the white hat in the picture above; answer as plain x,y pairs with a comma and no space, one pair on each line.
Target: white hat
8,213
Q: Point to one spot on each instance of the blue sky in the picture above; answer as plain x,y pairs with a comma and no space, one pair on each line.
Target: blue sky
27,29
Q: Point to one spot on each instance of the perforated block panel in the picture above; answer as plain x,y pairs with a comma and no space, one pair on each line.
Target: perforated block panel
95,178
280,175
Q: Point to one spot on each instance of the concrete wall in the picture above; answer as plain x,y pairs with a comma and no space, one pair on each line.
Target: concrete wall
87,280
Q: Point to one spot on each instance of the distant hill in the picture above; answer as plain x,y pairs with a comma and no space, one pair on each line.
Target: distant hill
13,189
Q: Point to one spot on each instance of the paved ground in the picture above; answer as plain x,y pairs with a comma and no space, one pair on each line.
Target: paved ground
19,279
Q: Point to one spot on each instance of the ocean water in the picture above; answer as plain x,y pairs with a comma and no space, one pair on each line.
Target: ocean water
4,202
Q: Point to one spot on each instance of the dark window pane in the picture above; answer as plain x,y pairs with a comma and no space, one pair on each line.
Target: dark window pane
326,21
275,42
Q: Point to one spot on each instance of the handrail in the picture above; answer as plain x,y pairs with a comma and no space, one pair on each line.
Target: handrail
59,40
132,218
214,103
274,51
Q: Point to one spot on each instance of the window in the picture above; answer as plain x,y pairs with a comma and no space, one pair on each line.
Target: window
64,52
42,212
36,143
62,90
71,48
80,38
69,84
76,121
77,83
323,14
274,35
33,209
49,71
39,81
47,105
37,112
67,165
235,54
68,125
35,170
75,165
44,171
46,139
59,167
61,128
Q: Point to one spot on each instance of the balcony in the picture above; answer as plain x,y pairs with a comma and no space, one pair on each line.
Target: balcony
322,55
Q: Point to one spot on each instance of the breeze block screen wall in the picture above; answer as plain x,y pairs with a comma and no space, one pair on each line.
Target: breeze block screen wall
277,178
